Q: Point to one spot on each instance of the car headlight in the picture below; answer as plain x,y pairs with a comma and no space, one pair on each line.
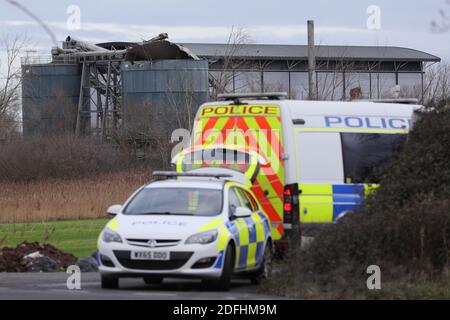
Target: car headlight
111,236
203,237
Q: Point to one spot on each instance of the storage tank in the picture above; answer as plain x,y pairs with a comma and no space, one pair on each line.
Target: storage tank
50,95
173,90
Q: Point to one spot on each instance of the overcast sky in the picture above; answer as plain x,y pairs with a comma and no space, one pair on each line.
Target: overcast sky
339,22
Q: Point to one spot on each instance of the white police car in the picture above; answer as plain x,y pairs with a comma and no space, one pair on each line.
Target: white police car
197,226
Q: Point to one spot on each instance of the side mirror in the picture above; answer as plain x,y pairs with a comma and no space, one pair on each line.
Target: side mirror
114,210
242,212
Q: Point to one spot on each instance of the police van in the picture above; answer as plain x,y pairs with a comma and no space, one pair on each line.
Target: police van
308,162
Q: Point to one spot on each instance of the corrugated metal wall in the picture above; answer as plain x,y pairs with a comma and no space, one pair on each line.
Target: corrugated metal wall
169,87
50,98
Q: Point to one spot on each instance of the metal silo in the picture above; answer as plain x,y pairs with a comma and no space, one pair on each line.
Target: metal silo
173,89
50,94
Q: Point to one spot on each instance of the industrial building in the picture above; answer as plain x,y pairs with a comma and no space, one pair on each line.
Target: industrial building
338,69
94,89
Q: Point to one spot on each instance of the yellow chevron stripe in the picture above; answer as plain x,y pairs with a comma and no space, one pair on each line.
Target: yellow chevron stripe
264,146
215,134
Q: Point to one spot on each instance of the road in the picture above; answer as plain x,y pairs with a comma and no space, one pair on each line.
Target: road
47,286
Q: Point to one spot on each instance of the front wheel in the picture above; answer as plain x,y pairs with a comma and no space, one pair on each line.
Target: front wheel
223,284
265,271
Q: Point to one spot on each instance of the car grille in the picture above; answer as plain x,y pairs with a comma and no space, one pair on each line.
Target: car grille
177,260
158,242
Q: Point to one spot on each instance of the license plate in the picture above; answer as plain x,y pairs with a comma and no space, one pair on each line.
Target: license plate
150,255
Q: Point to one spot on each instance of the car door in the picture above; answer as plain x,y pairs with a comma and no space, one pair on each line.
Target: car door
238,229
252,225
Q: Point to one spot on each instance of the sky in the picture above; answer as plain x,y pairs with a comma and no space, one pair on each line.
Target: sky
338,22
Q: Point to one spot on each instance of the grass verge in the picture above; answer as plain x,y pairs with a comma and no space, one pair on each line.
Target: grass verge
78,237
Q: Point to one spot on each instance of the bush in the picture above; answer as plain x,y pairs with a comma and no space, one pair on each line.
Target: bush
59,157
404,226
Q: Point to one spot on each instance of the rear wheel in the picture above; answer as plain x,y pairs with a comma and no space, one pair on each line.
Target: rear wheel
149,280
109,282
265,271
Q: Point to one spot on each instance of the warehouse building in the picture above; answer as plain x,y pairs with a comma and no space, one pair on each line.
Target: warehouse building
256,67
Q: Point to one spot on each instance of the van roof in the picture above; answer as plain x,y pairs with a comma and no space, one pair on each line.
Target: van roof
306,107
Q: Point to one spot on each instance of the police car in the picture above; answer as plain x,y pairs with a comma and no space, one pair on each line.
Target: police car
203,224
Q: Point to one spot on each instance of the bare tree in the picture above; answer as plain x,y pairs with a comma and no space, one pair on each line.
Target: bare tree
442,24
437,84
231,63
145,136
10,82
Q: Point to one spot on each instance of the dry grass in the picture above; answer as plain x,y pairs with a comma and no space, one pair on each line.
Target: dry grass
58,199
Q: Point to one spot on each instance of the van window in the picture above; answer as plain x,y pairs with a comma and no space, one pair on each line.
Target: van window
366,155
217,158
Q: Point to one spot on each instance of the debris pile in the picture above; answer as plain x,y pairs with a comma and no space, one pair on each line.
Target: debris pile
88,264
34,257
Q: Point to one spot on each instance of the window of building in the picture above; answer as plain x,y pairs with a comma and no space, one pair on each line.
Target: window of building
247,81
357,80
299,85
382,83
330,85
410,85
276,82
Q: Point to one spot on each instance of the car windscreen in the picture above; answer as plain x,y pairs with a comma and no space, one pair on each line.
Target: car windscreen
176,201
366,155
217,158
